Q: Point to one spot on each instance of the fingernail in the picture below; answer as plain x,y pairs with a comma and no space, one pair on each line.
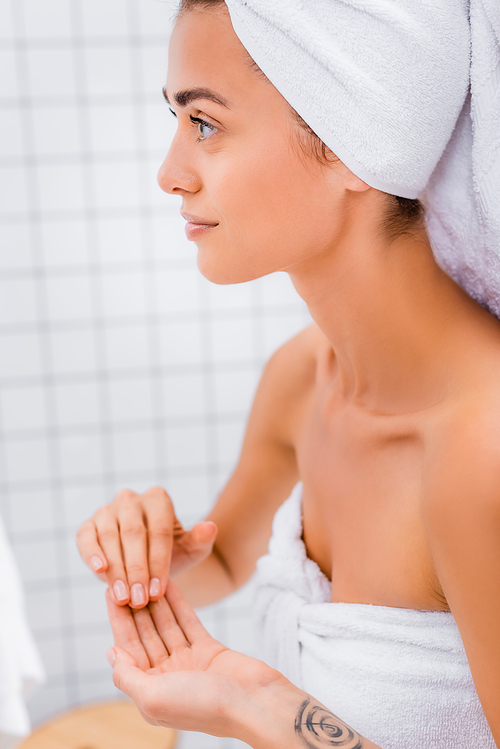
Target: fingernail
120,589
154,587
137,595
111,656
96,563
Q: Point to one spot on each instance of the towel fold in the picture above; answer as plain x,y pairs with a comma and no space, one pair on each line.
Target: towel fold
398,676
20,666
407,95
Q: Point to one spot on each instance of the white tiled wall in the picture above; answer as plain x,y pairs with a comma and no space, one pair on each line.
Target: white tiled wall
120,365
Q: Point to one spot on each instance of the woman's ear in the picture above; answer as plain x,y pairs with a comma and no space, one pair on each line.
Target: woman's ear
348,179
355,184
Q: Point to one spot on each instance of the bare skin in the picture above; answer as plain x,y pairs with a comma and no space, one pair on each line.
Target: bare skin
179,676
387,409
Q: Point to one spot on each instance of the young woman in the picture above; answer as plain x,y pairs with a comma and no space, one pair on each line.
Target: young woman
380,594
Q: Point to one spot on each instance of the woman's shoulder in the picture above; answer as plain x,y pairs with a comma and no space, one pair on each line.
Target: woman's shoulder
462,465
287,382
296,360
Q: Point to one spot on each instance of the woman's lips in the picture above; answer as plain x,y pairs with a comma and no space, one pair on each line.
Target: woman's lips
193,231
196,226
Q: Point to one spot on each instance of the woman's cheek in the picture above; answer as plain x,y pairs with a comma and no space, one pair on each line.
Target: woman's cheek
262,206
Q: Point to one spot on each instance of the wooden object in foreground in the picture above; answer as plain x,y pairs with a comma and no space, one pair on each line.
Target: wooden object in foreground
108,725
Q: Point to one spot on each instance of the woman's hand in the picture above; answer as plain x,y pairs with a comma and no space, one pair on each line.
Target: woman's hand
136,542
180,677
177,674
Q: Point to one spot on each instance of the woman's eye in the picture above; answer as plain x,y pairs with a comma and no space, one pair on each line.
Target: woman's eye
205,130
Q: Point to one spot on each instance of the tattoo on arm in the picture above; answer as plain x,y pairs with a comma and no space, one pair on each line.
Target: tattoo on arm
319,728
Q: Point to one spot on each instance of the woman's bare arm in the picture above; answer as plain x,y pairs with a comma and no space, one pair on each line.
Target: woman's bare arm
138,538
462,516
264,476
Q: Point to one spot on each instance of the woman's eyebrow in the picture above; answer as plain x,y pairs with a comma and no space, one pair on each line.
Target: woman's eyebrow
183,98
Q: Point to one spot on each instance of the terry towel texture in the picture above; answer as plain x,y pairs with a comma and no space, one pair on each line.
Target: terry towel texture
398,676
407,94
20,666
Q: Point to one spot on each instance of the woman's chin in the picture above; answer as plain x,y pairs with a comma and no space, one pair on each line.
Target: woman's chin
220,271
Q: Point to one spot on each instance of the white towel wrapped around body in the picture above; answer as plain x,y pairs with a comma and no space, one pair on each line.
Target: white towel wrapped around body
400,677
407,94
20,667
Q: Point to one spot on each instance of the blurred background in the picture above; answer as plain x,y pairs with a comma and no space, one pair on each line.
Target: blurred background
120,365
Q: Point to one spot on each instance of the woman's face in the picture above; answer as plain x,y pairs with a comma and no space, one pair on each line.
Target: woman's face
273,207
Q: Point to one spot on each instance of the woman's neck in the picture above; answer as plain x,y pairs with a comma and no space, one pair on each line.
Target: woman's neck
396,322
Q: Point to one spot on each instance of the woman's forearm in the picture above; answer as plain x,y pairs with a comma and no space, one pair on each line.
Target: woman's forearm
288,718
207,582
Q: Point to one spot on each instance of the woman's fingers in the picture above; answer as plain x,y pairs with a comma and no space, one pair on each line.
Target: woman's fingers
108,535
161,525
125,632
128,675
201,540
152,642
184,615
89,548
167,625
134,544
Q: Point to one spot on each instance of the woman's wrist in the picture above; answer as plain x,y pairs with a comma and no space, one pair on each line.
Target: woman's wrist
282,716
266,719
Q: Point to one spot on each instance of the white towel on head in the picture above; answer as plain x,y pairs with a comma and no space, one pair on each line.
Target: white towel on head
407,94
400,677
20,666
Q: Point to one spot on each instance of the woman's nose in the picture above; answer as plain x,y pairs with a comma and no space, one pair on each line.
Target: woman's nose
175,176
